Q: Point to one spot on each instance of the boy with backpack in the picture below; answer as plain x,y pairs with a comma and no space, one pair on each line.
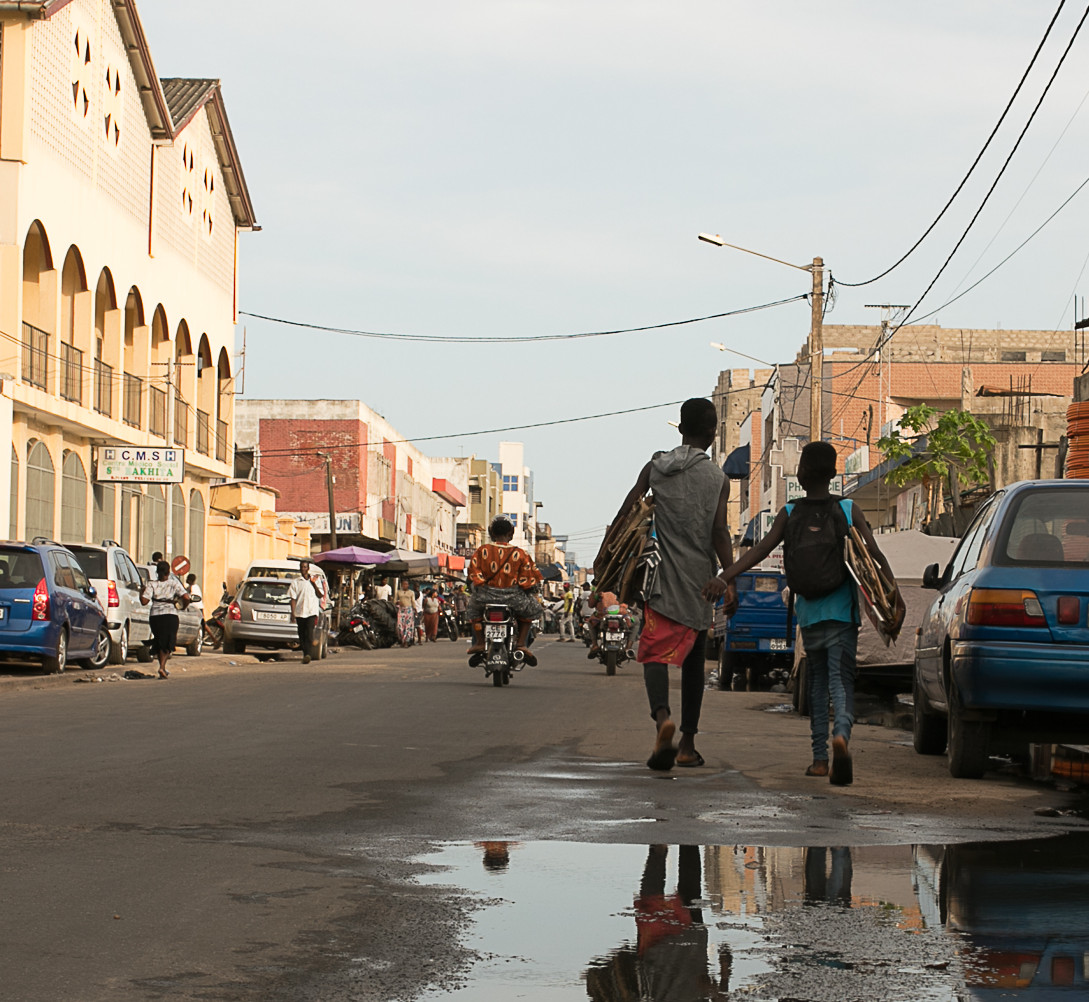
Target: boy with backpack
812,531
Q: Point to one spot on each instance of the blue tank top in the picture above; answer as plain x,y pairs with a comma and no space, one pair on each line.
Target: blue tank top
840,606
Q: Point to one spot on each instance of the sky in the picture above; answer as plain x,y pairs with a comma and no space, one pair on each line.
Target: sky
516,168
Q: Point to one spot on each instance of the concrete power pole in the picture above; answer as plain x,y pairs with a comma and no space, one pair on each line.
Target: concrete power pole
816,351
332,504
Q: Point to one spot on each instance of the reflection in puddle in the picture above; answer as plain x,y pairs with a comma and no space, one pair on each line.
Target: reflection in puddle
623,923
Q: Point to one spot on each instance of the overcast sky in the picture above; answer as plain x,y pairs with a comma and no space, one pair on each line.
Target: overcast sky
528,167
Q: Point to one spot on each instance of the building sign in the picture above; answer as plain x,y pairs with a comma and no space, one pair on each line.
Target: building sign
794,489
139,464
348,524
857,462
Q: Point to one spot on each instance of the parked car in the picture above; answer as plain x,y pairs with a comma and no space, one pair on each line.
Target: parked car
284,569
118,583
1002,653
49,612
260,616
190,632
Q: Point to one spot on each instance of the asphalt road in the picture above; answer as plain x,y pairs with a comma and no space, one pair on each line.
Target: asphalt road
248,831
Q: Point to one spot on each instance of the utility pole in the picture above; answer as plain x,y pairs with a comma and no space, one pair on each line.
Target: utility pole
332,505
816,351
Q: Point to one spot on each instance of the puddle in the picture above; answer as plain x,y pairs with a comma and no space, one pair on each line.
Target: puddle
613,923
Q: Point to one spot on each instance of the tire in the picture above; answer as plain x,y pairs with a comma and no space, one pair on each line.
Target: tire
119,652
610,662
233,647
801,688
194,649
453,630
101,656
968,742
725,667
506,676
143,654
323,647
929,733
497,678
215,635
56,665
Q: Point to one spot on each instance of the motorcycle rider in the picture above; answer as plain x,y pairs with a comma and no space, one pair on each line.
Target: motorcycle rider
503,573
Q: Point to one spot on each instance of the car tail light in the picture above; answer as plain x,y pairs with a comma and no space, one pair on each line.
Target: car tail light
39,609
495,616
1005,607
233,611
112,601
1069,610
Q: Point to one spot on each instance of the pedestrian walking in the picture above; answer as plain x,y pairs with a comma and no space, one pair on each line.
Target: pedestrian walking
196,597
431,616
406,615
690,495
383,591
162,594
306,603
812,531
567,618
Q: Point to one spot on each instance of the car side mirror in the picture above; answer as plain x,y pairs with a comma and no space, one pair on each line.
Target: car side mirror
932,576
90,591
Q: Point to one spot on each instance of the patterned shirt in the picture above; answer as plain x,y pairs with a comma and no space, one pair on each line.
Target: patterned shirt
499,566
162,594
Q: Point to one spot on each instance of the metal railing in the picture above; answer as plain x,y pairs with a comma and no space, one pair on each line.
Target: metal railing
133,402
71,373
221,441
181,421
103,387
156,411
203,428
35,357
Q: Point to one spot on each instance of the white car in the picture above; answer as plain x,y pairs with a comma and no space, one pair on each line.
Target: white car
117,580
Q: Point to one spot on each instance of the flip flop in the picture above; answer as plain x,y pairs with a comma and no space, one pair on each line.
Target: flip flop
690,763
664,754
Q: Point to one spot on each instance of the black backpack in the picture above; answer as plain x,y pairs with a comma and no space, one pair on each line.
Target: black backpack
813,547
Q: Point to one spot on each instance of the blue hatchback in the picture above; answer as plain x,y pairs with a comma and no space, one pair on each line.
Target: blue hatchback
1002,655
48,609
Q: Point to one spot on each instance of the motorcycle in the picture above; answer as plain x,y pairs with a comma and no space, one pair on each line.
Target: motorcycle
448,621
213,625
500,657
612,649
357,630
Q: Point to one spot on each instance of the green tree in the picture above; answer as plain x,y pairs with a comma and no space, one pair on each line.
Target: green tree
957,447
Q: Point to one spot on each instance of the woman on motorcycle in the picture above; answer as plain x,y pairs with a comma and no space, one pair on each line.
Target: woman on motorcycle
502,573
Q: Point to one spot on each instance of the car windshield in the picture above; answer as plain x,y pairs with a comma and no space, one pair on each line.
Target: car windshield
93,562
265,592
283,573
1047,527
19,568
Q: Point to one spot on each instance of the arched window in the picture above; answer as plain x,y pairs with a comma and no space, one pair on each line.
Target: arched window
107,354
177,520
70,361
13,513
103,500
196,535
154,522
40,491
73,500
134,361
39,310
132,498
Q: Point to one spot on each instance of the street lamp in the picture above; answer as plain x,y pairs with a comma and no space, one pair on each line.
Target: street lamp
816,327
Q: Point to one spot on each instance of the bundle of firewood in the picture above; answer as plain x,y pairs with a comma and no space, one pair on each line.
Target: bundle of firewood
616,566
880,595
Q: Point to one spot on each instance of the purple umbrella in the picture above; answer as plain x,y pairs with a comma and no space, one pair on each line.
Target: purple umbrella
351,555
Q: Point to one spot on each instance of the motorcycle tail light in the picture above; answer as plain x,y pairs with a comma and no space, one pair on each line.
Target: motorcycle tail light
495,616
233,611
1005,607
1069,612
112,600
39,608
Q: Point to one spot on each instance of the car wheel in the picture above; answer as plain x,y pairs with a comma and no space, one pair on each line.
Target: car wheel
725,667
233,647
968,742
55,665
119,651
323,647
197,645
928,730
98,660
143,654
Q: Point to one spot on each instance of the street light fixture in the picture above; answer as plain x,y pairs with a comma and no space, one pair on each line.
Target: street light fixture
816,327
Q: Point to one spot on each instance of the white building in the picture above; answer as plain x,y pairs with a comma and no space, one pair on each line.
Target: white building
518,504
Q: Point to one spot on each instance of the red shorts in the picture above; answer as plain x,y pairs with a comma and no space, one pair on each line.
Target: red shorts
664,641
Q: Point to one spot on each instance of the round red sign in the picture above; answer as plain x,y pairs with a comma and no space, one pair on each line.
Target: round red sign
180,565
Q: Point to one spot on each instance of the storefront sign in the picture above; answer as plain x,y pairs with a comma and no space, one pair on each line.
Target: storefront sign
794,489
139,464
319,522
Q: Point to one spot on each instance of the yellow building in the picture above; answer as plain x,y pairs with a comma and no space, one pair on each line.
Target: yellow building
121,200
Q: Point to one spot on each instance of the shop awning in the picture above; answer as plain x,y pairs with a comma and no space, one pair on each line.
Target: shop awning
448,492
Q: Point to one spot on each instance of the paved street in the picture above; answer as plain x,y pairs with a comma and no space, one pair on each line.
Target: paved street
248,830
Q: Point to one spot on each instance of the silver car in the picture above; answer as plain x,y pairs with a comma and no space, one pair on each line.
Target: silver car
190,630
260,616
118,583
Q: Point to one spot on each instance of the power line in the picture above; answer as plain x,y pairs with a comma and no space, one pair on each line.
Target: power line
518,339
975,163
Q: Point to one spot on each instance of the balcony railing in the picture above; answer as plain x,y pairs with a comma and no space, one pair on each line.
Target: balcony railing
221,441
156,411
133,402
71,373
103,387
35,357
203,428
181,421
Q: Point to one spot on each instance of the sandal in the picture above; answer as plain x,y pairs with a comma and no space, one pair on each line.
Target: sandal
818,768
664,754
843,773
692,761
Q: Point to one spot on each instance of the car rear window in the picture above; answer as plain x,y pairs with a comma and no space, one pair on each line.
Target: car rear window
1046,527
93,562
275,572
268,592
19,569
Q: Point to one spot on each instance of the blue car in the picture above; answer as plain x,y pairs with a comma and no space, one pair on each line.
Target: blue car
1002,655
49,613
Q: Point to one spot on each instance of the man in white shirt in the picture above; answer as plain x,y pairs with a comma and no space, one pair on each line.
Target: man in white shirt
306,597
383,591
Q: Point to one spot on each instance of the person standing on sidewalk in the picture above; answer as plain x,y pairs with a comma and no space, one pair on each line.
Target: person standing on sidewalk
690,495
431,615
305,596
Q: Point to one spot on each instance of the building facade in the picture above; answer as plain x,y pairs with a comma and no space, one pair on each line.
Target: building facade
121,201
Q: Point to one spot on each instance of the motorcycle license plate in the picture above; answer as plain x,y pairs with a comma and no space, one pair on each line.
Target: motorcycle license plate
277,617
614,636
495,632
777,644
358,628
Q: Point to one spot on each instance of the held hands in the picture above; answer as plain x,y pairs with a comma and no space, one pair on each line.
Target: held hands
716,588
